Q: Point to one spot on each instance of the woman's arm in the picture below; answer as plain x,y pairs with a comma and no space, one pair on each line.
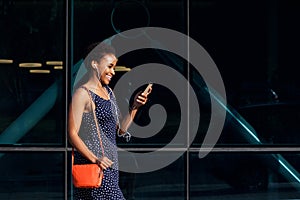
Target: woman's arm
78,105
81,103
139,100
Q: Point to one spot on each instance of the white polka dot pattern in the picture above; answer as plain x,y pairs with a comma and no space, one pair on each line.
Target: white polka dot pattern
107,115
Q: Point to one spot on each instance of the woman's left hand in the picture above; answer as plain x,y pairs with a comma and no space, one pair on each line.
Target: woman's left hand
140,99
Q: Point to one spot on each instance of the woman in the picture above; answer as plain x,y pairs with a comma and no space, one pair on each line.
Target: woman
100,63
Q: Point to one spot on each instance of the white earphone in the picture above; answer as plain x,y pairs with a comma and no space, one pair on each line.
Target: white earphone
98,74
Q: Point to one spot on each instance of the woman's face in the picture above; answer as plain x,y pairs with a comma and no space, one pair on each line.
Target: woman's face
106,67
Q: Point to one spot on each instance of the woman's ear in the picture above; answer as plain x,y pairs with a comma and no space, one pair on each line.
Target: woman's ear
94,64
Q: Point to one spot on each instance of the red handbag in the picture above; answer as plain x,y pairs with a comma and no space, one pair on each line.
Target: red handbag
88,175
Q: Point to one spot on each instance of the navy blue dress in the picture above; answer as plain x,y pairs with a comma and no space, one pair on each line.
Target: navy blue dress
107,115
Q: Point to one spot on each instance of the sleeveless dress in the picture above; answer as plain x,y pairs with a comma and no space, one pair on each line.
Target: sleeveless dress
107,116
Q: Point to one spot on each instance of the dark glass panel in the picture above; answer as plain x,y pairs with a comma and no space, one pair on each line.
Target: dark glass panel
31,175
245,175
32,104
167,182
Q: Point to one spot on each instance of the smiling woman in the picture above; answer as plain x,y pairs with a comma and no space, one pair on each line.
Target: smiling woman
94,98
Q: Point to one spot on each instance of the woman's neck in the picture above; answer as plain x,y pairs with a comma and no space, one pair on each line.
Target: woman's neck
97,87
95,82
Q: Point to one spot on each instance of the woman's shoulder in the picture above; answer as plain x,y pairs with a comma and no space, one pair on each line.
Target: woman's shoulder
81,91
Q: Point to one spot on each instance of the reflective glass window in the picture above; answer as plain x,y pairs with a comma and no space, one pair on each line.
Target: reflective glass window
32,55
157,181
244,175
95,21
250,43
32,175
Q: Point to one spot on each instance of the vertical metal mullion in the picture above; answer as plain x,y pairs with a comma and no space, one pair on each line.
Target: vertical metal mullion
188,107
67,29
66,86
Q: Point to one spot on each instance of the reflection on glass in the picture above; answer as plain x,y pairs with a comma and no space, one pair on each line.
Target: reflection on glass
165,183
31,176
31,109
242,175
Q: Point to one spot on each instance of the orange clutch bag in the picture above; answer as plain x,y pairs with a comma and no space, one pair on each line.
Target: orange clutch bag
87,175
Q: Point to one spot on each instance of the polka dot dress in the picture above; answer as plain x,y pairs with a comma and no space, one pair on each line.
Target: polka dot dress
106,112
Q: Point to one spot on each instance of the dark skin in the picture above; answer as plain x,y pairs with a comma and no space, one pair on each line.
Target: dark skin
81,104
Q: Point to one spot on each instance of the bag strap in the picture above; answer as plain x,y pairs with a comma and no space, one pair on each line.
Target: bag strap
96,123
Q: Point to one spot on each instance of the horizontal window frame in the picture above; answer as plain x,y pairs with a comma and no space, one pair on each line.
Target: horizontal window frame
295,149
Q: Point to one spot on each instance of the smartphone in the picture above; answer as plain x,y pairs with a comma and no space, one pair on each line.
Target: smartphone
148,88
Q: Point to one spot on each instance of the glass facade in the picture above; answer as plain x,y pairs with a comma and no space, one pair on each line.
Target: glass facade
32,81
32,175
244,175
254,45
